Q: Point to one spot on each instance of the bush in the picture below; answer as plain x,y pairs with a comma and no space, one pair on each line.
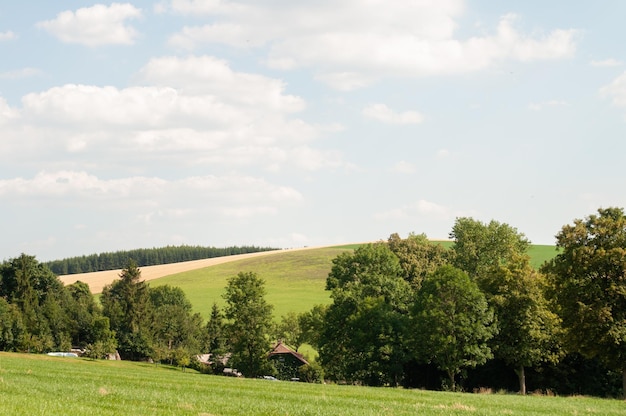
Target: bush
311,373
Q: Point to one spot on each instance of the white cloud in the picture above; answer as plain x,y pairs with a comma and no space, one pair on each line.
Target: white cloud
187,112
234,195
95,26
606,63
385,114
547,104
404,167
8,35
21,73
6,112
196,75
443,153
417,209
616,90
351,44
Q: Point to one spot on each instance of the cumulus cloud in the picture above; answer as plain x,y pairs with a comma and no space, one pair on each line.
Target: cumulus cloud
606,63
184,111
95,26
547,104
404,167
8,35
233,195
196,75
616,90
6,112
352,44
419,208
21,73
386,115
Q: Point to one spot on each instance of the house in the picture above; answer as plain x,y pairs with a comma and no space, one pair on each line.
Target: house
283,356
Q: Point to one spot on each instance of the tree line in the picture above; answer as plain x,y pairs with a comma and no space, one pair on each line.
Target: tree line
144,257
403,312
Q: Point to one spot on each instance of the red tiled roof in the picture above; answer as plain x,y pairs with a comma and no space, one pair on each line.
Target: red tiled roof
281,348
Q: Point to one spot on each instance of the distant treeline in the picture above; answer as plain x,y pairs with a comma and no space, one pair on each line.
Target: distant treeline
144,257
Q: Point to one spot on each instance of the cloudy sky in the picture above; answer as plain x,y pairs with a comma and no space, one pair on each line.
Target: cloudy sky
287,124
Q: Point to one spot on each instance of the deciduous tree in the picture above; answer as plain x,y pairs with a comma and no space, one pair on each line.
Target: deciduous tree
529,331
364,327
479,246
589,279
418,256
250,321
452,322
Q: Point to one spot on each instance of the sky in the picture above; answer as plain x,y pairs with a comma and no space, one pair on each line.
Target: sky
289,123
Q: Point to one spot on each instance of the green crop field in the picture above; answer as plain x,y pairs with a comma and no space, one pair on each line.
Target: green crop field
42,385
295,280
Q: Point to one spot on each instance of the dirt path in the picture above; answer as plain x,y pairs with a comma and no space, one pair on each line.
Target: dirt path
97,280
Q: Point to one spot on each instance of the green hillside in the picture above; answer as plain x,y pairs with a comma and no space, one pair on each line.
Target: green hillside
33,384
295,280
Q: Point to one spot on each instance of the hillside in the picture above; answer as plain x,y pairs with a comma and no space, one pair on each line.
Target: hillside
295,278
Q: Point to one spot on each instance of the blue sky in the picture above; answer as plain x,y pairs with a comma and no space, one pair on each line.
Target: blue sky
288,124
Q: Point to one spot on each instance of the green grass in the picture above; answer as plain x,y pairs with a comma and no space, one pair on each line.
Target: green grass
42,385
540,254
295,280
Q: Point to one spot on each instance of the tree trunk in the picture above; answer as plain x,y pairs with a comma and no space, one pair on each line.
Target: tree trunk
452,383
521,375
624,383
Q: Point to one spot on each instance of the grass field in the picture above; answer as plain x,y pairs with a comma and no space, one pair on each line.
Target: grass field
42,385
295,280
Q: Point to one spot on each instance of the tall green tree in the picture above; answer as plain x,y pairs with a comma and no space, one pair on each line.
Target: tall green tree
452,323
42,302
250,322
363,336
176,330
215,332
529,331
418,256
311,324
12,330
126,303
589,282
479,246
289,331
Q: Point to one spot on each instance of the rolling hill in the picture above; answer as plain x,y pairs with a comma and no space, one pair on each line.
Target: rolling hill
295,278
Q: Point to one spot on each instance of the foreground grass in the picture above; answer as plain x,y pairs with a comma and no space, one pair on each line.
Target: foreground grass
42,385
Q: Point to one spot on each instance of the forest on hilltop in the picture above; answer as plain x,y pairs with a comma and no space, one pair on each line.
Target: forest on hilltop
144,257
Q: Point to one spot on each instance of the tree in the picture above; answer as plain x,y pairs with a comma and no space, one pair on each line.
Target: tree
452,322
418,256
363,332
589,285
41,301
126,303
478,246
311,324
250,320
529,331
289,330
174,327
215,332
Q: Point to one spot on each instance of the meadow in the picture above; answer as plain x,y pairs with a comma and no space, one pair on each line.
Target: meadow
295,280
41,385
